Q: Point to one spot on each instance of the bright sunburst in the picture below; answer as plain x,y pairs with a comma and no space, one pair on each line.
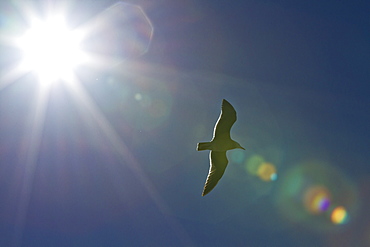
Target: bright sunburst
51,50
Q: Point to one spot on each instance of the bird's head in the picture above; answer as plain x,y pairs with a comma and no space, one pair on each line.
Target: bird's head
237,145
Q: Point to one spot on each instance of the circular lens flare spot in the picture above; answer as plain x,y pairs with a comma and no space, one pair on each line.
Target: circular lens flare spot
238,156
339,215
317,199
253,163
267,172
138,96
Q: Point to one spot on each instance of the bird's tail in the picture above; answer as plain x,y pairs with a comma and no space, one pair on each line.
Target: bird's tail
203,146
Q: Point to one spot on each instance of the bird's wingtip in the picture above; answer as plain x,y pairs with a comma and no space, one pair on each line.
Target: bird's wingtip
225,102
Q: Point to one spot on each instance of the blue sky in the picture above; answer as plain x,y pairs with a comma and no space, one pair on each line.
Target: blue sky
113,162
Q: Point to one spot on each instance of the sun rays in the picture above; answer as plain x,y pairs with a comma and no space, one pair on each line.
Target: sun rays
52,53
33,141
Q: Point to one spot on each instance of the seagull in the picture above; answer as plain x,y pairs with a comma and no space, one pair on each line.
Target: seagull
220,143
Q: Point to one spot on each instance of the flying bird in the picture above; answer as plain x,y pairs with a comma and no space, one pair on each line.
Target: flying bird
220,143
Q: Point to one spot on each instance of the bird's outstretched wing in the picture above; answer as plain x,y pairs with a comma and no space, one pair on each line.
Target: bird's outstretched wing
217,168
225,121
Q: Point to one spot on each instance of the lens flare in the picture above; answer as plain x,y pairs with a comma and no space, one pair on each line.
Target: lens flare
267,172
339,215
317,199
257,166
238,156
309,192
253,163
119,32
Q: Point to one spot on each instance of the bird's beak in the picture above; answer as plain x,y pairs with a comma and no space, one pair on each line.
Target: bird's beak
242,148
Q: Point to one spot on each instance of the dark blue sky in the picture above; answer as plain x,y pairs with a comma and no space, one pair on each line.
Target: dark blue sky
113,163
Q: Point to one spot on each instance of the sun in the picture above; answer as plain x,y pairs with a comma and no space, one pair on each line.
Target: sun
51,50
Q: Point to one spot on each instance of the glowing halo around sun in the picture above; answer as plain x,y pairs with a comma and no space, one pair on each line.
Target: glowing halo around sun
54,51
51,50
